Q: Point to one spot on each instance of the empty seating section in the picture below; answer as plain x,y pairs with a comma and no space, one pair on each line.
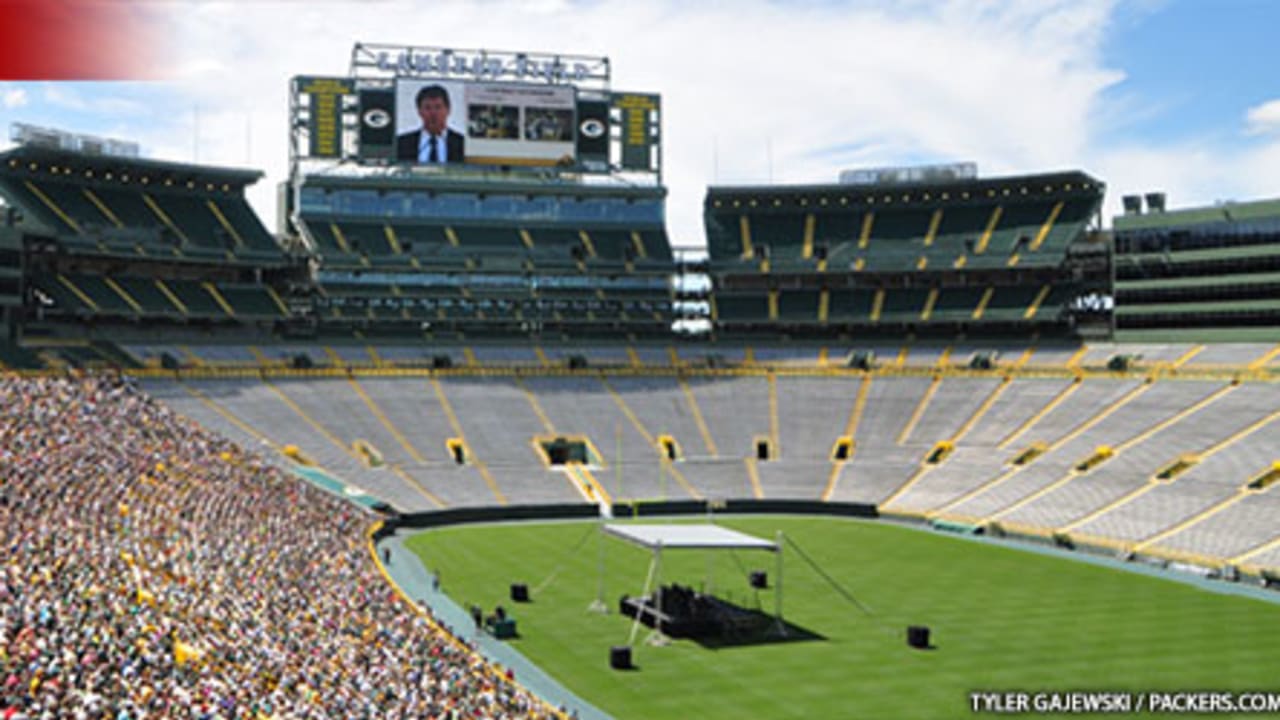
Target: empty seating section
82,196
851,305
148,295
136,296
715,425
250,300
903,306
798,306
745,308
496,261
1209,271
957,304
196,298
1009,235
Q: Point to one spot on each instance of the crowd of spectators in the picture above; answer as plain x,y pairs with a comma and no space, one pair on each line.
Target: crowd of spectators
154,570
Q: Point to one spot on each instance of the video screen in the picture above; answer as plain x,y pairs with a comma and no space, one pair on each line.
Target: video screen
450,122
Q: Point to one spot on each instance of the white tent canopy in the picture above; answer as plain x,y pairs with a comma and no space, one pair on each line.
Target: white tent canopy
700,537
656,538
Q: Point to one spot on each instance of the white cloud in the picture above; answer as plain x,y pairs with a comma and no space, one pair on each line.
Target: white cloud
1264,118
1010,85
14,97
753,91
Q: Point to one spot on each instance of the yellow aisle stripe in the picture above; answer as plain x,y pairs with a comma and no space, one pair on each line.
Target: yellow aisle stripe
194,358
919,411
164,290
417,485
1267,358
1077,357
833,479
1193,520
1025,357
66,282
981,411
865,236
638,241
1175,418
386,422
392,240
877,305
532,399
49,203
1078,430
753,474
774,426
1122,500
231,418
452,417
123,295
934,222
701,422
275,298
1186,356
1073,474
648,438
217,297
1255,551
322,430
1153,484
225,223
982,304
806,251
1034,307
543,360
928,304
989,231
744,230
164,218
102,207
633,357
1047,226
339,237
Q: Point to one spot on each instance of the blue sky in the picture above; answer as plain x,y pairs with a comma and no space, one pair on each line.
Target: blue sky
1173,95
1195,65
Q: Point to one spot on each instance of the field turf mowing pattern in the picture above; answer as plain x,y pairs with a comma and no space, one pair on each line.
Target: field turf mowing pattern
1002,619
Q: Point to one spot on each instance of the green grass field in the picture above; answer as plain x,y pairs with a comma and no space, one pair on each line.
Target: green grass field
1002,619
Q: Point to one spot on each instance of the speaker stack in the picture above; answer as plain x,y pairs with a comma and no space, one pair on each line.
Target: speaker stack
519,592
620,657
918,637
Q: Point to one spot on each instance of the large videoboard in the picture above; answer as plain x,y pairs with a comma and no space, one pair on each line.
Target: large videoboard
431,106
483,123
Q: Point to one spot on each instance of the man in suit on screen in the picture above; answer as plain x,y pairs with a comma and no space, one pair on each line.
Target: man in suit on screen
435,141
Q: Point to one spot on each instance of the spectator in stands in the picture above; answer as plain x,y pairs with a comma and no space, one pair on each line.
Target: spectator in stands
435,141
152,570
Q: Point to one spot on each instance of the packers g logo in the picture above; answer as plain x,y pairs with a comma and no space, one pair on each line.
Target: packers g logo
377,118
592,128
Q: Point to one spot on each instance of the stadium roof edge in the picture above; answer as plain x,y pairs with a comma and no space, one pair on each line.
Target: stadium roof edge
1202,215
473,184
29,153
836,187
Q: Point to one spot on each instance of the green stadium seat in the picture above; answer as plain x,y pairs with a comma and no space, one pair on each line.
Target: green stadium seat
796,306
